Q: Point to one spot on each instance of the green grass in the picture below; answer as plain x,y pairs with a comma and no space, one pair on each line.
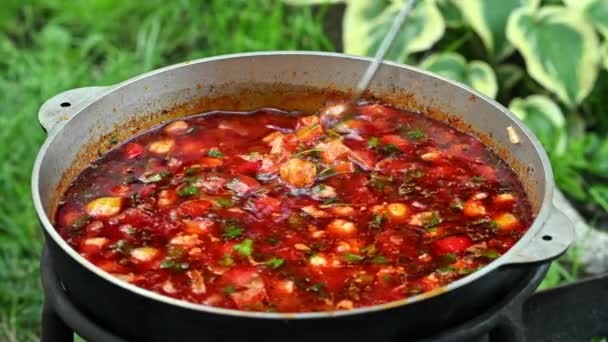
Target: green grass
50,46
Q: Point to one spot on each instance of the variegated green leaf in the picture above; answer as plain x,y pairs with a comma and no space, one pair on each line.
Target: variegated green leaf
366,22
544,118
450,12
311,2
476,74
560,49
488,18
594,10
508,75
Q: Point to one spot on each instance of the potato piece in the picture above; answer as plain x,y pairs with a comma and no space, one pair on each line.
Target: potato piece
397,211
343,211
345,304
341,227
431,156
474,208
332,150
161,147
98,242
506,221
144,254
176,127
314,212
504,198
104,207
318,260
298,173
186,241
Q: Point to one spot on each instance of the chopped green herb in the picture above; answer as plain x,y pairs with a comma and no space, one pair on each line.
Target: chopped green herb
275,262
370,250
352,258
457,204
332,200
229,289
373,142
192,179
157,177
122,247
272,240
405,188
376,222
317,288
215,153
478,179
223,202
328,172
380,259
226,260
245,248
80,222
187,191
446,269
192,170
174,265
232,231
379,181
390,150
417,134
113,140
493,224
491,254
450,258
434,221
416,173
313,152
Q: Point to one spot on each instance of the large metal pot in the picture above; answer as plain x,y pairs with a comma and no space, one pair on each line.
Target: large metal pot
78,120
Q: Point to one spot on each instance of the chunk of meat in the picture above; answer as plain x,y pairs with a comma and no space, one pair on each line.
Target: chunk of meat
176,127
365,159
243,185
298,172
248,289
332,150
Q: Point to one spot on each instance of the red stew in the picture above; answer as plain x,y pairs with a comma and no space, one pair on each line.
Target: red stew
276,211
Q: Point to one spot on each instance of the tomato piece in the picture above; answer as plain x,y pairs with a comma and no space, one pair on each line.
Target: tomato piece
247,168
194,208
452,244
133,150
396,140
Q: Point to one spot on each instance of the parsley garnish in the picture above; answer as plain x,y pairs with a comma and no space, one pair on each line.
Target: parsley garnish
330,171
317,288
245,248
229,289
491,254
379,181
433,221
380,259
373,142
353,258
417,134
390,150
223,202
157,177
275,262
122,247
215,153
187,191
173,265
232,230
80,222
376,222
226,260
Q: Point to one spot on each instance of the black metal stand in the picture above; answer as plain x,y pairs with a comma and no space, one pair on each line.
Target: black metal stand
575,312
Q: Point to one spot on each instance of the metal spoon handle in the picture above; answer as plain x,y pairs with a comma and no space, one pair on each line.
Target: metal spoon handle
384,46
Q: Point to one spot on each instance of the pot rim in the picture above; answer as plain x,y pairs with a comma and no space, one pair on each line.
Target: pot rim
542,216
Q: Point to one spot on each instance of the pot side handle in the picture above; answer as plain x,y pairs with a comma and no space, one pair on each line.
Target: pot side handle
61,107
550,242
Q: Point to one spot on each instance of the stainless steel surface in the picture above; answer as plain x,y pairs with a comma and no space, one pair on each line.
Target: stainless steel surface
164,88
387,42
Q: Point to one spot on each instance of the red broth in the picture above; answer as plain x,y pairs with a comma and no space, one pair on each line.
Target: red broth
277,211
